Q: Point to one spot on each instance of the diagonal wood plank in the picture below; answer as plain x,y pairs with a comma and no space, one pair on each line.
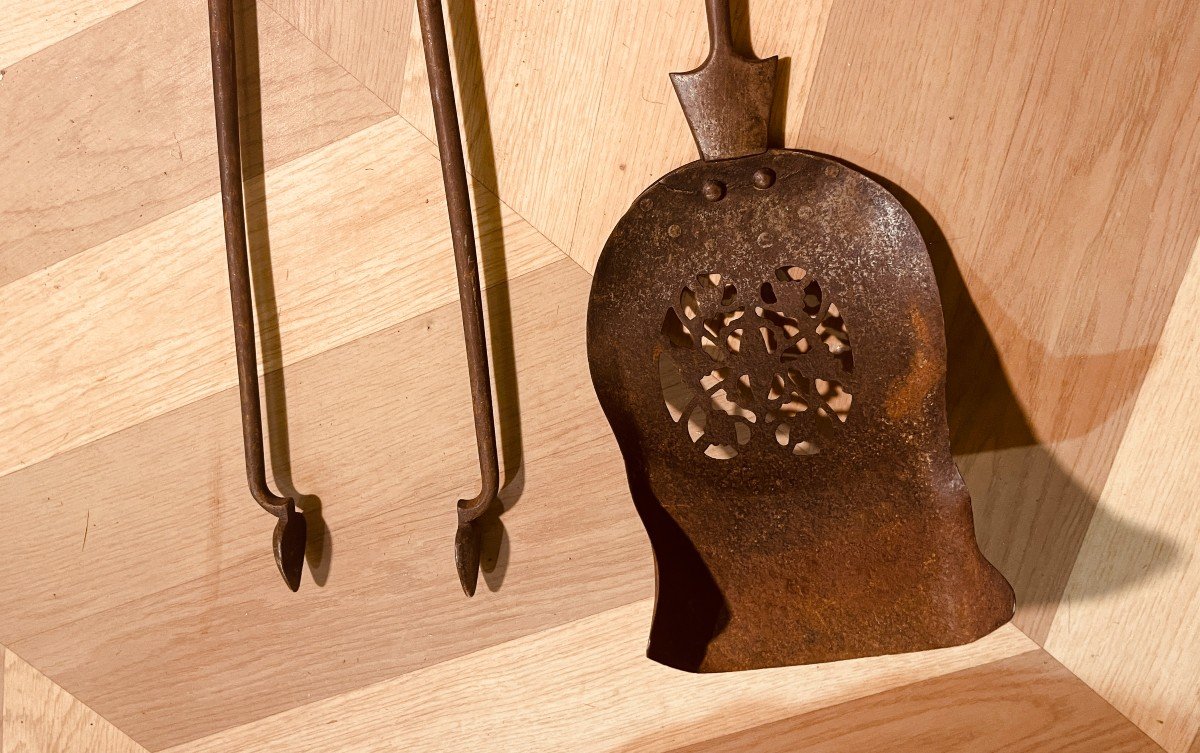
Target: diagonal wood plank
1100,177
585,686
32,25
40,717
1023,704
1138,647
148,619
528,109
354,416
369,38
140,325
113,128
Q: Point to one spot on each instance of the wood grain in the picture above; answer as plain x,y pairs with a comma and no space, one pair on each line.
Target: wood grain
369,38
1023,704
31,25
113,128
1117,191
40,717
128,330
1139,647
150,619
585,686
531,145
1021,152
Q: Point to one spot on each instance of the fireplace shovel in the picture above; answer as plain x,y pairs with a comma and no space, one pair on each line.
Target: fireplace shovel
766,341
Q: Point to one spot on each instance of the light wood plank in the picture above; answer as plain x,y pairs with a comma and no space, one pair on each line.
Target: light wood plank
529,85
32,25
140,325
40,717
91,517
149,620
1024,704
585,686
1054,150
639,132
1138,647
113,128
369,38
1096,233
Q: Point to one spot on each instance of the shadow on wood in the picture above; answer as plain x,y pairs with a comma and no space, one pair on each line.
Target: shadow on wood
985,416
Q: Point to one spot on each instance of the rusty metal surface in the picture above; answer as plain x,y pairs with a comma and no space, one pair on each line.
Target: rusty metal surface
727,99
291,529
467,541
766,340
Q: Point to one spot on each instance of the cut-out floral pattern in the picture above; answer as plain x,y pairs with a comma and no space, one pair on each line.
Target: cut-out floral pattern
770,369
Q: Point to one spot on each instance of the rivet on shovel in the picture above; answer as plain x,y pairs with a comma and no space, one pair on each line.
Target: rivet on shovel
467,540
291,531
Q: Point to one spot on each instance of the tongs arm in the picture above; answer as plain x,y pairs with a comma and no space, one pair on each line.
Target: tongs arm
291,529
458,204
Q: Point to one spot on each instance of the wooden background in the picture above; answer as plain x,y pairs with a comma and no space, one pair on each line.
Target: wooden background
1050,152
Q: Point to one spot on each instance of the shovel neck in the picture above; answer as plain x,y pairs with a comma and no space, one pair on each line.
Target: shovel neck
720,28
727,99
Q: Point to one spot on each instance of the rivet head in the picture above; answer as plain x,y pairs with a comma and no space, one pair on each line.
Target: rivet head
646,204
764,177
713,190
674,231
831,171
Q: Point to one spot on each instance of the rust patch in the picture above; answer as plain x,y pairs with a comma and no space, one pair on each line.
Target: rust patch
907,394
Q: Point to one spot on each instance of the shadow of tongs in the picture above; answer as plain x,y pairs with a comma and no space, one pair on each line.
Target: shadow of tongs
467,539
291,530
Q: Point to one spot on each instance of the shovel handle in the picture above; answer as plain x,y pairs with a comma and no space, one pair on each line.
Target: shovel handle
720,28
727,99
458,205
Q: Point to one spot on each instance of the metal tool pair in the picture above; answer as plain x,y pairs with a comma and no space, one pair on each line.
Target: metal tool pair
291,528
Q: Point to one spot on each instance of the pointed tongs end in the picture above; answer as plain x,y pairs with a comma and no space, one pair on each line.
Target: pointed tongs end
467,545
289,541
468,539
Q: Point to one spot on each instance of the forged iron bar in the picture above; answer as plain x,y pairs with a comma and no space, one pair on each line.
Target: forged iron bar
458,203
291,529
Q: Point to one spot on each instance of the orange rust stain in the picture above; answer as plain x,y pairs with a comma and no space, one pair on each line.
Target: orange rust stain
908,392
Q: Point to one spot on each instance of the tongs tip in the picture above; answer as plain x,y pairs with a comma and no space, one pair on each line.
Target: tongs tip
467,555
289,541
